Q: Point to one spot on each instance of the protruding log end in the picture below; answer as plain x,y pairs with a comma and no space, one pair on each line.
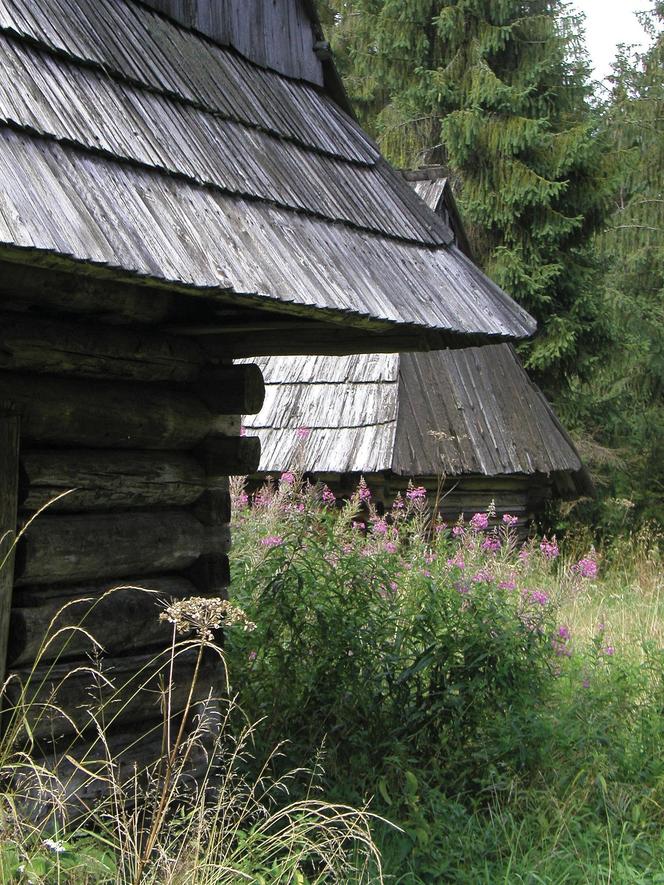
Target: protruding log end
232,390
229,455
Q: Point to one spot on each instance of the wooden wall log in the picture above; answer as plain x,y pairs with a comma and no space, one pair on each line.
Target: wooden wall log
24,286
229,455
232,390
83,771
122,616
129,691
106,480
9,444
68,411
32,344
59,548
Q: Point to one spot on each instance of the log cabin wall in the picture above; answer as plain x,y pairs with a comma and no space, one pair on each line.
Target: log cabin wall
137,433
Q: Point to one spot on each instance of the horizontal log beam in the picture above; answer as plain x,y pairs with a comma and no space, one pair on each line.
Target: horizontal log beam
67,549
59,699
122,616
229,455
32,344
232,390
106,480
68,411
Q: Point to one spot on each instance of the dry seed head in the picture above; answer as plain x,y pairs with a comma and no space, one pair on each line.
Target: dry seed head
204,615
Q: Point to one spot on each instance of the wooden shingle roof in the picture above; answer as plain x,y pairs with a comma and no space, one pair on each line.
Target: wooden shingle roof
471,411
132,143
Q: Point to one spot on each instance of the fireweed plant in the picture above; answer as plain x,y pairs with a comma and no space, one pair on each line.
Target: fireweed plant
439,669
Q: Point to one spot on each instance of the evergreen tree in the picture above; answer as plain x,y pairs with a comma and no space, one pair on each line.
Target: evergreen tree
498,92
628,389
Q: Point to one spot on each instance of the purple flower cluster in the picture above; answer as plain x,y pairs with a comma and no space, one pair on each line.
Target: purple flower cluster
480,521
416,493
586,568
328,497
380,527
537,596
560,642
510,520
272,541
491,544
549,548
288,478
363,491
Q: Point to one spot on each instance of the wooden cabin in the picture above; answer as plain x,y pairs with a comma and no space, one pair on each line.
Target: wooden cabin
467,424
182,183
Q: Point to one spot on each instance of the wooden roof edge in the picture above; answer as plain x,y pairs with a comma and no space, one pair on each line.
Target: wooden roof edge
306,329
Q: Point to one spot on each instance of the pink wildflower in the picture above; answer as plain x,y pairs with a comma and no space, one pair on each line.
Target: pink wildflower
482,577
491,543
363,491
524,554
609,650
252,655
328,497
458,531
272,541
549,548
510,520
398,503
480,521
564,633
440,527
538,596
390,547
358,526
456,561
243,430
509,584
303,432
586,568
380,527
426,573
416,493
586,682
429,556
288,478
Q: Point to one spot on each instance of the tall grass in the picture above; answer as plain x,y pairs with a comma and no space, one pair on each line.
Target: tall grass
201,809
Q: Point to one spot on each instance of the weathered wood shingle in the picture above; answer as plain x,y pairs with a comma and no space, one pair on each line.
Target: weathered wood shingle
131,142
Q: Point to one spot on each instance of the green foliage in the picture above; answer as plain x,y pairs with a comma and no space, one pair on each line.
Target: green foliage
487,695
627,388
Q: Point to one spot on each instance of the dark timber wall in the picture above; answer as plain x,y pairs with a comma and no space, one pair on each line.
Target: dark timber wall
138,432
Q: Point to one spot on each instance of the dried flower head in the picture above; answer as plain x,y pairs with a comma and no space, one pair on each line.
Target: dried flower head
204,616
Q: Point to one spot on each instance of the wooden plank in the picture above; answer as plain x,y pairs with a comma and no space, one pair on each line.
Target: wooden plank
32,344
83,412
104,479
122,616
64,548
9,444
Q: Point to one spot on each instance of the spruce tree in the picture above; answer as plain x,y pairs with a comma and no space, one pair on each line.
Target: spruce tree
498,92
628,389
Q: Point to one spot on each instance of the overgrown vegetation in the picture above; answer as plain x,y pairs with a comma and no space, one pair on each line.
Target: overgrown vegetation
501,702
494,705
